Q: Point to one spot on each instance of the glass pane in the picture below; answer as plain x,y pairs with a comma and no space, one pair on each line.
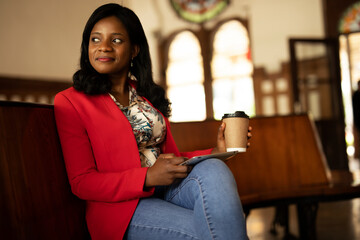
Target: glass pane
232,69
187,103
185,44
268,106
231,39
283,104
314,79
281,85
267,87
227,66
350,74
185,72
346,85
222,96
232,95
244,95
314,104
354,43
185,77
310,51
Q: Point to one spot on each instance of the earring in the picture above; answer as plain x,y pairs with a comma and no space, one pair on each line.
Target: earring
131,63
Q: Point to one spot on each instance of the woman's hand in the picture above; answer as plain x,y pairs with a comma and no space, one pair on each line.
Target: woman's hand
166,170
221,147
220,140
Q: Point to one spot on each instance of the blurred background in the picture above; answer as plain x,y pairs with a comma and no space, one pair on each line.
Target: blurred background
264,57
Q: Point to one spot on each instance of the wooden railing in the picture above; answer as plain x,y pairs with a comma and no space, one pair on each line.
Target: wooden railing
30,90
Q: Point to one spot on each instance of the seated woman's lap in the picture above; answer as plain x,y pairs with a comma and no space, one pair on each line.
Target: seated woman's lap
193,207
155,218
208,178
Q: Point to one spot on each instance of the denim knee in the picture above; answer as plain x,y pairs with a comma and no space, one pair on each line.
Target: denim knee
214,170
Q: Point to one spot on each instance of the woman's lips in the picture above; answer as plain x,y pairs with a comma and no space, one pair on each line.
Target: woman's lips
104,59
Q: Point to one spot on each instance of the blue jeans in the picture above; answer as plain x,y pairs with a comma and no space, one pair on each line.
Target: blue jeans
204,205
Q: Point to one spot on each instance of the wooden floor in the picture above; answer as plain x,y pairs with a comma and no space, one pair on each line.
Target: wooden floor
335,221
338,220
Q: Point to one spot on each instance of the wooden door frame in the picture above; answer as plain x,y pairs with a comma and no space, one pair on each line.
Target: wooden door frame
332,44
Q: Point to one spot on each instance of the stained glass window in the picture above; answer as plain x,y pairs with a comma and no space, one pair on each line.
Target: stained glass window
350,21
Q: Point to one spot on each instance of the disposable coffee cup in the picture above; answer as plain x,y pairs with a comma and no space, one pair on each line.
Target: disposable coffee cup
236,130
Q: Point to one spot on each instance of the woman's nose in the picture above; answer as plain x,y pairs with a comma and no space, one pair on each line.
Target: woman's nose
105,46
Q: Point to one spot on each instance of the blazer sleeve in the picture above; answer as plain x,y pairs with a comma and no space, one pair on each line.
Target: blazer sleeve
85,180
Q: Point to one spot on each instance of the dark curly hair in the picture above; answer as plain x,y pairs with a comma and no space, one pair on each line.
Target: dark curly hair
89,81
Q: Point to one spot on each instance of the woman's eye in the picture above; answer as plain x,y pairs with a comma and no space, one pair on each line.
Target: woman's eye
95,40
117,40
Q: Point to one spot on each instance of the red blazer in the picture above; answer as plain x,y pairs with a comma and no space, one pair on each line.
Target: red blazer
102,160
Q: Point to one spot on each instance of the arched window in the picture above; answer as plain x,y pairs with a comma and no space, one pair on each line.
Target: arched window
232,70
185,79
209,72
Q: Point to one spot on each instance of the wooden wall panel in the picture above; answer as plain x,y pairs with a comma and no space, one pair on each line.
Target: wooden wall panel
285,154
30,90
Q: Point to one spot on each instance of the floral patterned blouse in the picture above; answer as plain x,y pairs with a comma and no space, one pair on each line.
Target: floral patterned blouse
148,126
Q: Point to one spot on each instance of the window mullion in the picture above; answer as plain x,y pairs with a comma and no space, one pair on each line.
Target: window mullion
206,52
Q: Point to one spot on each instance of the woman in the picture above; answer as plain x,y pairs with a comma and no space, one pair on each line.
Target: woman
119,153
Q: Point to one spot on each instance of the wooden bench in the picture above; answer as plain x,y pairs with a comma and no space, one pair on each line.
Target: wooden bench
35,197
284,165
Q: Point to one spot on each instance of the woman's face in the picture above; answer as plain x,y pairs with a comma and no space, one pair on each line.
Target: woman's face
110,49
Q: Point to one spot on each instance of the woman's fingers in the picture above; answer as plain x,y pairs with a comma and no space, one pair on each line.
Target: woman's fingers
177,160
249,135
166,170
172,165
166,155
221,131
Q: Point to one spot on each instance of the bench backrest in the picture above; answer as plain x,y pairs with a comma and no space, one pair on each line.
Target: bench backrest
36,201
285,153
